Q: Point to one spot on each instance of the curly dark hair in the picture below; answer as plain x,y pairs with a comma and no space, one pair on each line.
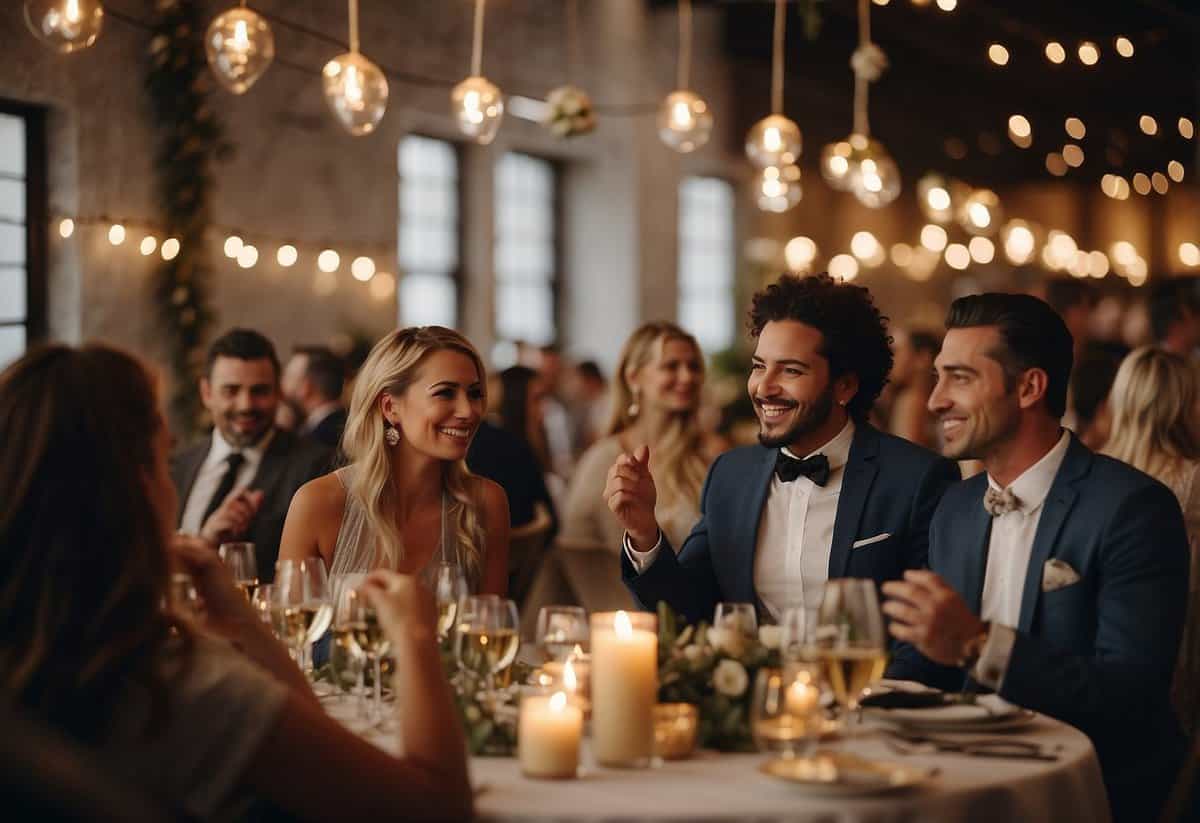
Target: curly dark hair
854,332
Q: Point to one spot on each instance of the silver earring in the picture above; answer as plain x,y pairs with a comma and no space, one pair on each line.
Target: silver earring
391,435
634,408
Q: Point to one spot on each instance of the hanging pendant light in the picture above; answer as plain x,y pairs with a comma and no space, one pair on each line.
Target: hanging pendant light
778,188
240,47
684,119
476,102
65,25
355,88
775,141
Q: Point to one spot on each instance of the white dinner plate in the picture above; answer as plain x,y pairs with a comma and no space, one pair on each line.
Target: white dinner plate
988,713
840,774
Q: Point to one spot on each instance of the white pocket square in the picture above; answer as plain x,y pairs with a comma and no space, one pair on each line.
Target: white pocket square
866,541
1058,575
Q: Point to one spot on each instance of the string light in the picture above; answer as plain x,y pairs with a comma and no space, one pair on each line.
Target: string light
902,255
799,253
1055,164
383,285
998,54
1089,53
1141,183
958,257
947,5
843,267
1159,182
1148,125
1072,155
363,268
1189,254
933,195
1019,127
866,248
116,234
1175,171
982,250
170,248
287,255
933,237
1097,264
66,228
1055,53
1124,47
980,213
1186,130
233,245
65,25
1019,242
1076,130
148,245
247,256
328,261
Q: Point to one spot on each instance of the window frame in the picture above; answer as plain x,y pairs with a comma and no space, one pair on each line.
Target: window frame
681,292
457,275
37,219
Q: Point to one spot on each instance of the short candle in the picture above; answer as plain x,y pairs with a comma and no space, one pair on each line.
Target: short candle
548,735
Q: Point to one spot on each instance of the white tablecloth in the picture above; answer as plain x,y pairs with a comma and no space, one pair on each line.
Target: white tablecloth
722,787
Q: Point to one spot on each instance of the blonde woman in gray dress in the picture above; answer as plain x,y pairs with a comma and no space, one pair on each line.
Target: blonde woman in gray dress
1155,401
407,501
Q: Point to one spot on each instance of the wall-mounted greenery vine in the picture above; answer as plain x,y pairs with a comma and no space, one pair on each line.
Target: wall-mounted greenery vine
190,140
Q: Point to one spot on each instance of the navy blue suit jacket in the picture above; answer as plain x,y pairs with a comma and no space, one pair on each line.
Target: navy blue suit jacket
1098,654
889,486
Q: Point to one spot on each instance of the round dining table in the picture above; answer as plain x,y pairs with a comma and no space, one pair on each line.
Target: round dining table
711,786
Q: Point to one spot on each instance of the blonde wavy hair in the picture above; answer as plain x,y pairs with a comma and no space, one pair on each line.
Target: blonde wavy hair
1154,407
677,459
390,368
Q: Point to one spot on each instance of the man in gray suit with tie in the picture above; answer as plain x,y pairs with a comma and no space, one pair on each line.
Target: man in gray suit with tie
1058,577
238,483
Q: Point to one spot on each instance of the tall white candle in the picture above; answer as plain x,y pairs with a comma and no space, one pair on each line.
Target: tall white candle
624,687
548,735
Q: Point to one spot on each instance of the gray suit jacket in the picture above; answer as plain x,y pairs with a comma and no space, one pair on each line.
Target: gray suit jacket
288,464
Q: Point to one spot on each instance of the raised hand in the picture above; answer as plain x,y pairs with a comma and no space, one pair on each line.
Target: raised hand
402,604
232,518
631,495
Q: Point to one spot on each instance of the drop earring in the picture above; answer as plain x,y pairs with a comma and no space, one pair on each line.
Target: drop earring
391,435
634,408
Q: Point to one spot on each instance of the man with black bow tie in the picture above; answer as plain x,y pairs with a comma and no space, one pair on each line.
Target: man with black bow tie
824,495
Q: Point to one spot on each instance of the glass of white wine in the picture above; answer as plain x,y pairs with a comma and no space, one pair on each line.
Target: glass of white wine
301,589
561,630
486,640
785,713
239,558
849,639
449,587
356,631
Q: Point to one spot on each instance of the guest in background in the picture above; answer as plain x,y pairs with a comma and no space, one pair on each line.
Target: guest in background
1059,577
1155,406
501,456
1175,316
407,501
209,720
313,380
822,495
912,375
521,410
237,483
1091,379
1074,300
655,401
587,400
556,422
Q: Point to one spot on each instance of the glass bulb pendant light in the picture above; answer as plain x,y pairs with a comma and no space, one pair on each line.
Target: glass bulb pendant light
778,188
476,102
355,88
240,47
684,119
775,141
65,25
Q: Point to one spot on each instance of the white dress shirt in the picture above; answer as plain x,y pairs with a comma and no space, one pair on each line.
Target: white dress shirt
1009,549
211,472
795,534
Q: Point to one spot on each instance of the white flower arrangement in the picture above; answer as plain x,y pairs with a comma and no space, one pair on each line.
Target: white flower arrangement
730,678
569,112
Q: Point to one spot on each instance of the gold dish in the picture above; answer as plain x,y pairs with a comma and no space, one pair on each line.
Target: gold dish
842,774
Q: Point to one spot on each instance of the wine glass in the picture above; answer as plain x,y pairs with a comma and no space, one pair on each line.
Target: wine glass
734,626
796,631
785,713
849,639
262,602
487,640
302,591
449,587
240,560
357,632
560,630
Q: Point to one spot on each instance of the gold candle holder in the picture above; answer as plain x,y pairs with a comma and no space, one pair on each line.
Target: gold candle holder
676,726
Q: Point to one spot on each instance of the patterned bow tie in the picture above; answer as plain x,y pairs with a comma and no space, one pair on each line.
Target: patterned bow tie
815,468
998,502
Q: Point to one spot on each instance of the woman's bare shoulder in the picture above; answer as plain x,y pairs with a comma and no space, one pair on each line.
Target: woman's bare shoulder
322,497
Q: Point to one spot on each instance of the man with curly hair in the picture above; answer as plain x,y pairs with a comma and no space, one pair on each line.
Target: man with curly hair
823,495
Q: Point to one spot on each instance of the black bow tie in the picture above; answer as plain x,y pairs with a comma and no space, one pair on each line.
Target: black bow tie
815,468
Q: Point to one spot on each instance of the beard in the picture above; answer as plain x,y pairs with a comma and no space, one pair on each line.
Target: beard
810,419
242,439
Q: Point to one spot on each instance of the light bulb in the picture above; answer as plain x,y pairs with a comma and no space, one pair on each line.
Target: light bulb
843,267
1019,242
835,164
116,234
170,248
933,196
363,268
247,257
328,261
684,121
233,245
287,255
1189,254
800,253
980,212
240,47
148,245
66,228
357,92
933,237
779,188
478,106
876,179
864,246
982,250
774,141
65,25
383,286
957,256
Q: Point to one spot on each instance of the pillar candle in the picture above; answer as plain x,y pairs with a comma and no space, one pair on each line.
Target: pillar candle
548,735
624,687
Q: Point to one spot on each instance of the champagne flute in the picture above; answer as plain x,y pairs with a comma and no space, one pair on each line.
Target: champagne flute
302,590
449,587
240,560
560,630
849,639
356,631
487,640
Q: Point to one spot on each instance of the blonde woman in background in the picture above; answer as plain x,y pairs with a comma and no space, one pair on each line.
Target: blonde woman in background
655,402
407,500
1154,404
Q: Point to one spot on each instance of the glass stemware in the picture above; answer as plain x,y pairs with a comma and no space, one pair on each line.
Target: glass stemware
797,629
357,632
735,625
239,558
560,631
486,640
785,713
449,587
301,590
849,639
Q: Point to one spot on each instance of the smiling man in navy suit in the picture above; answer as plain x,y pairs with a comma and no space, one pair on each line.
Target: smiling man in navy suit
824,495
1058,577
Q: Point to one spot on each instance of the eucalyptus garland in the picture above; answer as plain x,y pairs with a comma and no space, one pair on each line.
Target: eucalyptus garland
189,141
